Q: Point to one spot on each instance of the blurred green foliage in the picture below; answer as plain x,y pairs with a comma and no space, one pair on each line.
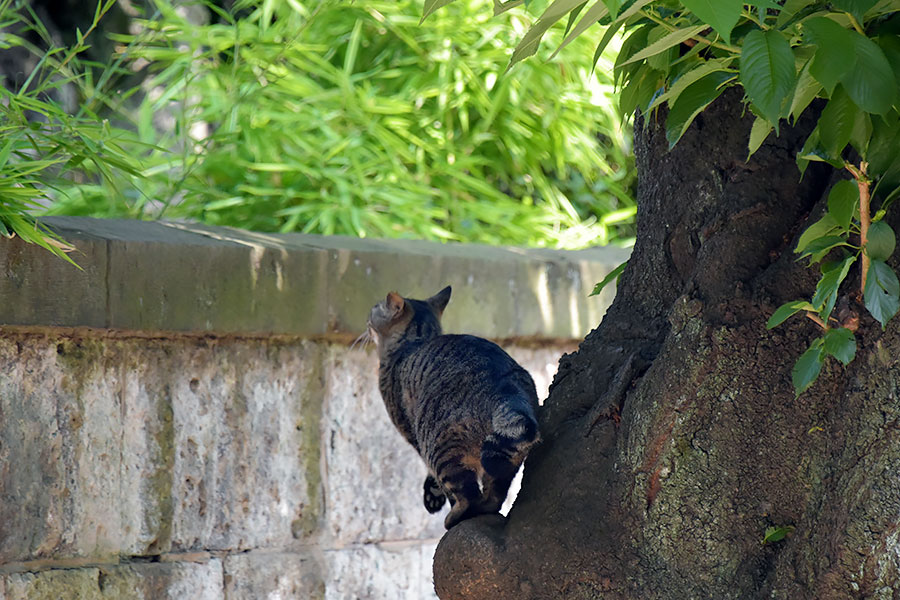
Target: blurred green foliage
43,146
353,118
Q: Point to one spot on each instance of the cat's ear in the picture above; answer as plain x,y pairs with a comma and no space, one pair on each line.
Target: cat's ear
439,301
395,303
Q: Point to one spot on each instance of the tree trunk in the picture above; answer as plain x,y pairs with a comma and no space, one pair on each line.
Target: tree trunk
698,444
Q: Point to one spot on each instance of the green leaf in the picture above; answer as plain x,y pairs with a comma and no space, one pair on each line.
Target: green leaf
857,8
840,343
890,45
881,241
884,145
843,201
613,6
882,293
836,122
787,310
612,275
827,288
776,534
833,58
758,134
812,151
591,17
789,10
431,6
608,35
572,16
664,43
691,101
805,92
870,83
529,43
808,367
683,81
722,15
819,247
820,228
861,132
767,72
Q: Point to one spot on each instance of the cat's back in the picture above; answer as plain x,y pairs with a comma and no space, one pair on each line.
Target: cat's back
467,364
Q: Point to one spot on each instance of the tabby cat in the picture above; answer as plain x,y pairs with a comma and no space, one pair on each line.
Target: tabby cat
466,407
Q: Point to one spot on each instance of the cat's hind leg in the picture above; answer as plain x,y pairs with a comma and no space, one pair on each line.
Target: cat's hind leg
499,471
515,432
434,497
461,486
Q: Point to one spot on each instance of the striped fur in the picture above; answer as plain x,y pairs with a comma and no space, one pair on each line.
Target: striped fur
463,403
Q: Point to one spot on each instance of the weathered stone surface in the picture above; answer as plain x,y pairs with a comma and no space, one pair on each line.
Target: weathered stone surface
59,454
169,277
163,581
71,584
37,288
138,447
242,413
387,571
253,575
138,581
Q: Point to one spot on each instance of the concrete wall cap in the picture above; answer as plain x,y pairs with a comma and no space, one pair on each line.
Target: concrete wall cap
168,276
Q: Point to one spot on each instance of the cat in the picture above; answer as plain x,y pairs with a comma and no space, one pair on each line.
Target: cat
463,403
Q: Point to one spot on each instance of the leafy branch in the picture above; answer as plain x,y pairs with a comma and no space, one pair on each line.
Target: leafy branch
783,55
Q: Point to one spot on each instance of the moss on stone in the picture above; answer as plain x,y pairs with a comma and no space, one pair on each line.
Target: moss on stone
159,484
310,427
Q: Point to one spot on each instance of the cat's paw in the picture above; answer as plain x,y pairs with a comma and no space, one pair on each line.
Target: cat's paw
433,498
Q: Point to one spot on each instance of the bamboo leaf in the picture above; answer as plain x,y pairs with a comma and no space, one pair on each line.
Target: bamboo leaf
612,275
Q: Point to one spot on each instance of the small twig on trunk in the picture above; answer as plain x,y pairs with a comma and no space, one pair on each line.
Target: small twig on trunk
865,218
608,405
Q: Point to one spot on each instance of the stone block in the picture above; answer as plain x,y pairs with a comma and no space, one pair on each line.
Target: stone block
226,287
59,454
163,581
245,417
389,571
70,584
38,288
285,576
155,276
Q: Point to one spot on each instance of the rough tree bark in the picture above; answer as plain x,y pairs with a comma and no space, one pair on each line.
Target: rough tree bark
699,444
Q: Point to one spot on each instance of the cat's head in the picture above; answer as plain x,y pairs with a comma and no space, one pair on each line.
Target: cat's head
397,320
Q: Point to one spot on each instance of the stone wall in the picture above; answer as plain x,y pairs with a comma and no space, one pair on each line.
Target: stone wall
185,418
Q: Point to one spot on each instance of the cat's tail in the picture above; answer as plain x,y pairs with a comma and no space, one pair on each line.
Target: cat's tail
515,430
